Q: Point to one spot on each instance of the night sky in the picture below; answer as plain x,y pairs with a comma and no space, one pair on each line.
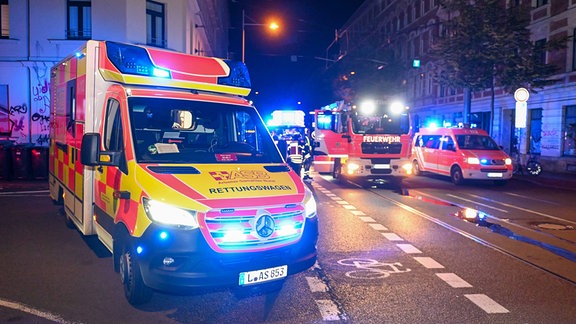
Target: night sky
287,68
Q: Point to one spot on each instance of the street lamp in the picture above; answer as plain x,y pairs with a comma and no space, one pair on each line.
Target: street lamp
272,26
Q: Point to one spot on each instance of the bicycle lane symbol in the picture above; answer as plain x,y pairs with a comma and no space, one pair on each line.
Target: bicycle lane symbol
371,269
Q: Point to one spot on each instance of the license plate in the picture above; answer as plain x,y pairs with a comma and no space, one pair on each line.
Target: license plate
495,175
381,166
264,275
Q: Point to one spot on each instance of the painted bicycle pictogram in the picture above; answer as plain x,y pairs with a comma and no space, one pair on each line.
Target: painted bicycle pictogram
371,269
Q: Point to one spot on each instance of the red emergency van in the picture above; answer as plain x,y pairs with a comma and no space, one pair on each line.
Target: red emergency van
460,153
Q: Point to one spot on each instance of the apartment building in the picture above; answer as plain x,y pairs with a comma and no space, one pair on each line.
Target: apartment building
37,33
410,27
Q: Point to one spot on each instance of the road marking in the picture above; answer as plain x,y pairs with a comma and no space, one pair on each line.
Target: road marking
328,310
453,280
342,202
35,312
348,206
316,285
335,198
486,303
357,212
22,193
392,237
429,263
408,248
367,219
378,227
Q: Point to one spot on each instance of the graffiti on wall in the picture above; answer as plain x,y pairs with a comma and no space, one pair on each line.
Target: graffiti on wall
40,105
25,124
550,142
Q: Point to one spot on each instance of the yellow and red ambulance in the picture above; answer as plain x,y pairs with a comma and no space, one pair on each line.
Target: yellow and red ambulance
159,154
462,153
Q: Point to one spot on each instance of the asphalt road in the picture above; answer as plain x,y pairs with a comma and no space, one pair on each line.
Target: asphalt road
385,256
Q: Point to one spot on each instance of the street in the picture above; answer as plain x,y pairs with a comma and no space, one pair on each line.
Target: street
385,256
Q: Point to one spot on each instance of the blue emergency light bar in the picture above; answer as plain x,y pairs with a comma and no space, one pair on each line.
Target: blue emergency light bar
129,59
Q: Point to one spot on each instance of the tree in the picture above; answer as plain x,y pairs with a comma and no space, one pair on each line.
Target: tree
487,44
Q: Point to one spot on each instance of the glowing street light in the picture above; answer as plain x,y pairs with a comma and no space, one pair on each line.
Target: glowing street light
271,25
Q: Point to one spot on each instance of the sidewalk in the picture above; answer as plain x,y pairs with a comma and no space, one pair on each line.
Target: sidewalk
562,181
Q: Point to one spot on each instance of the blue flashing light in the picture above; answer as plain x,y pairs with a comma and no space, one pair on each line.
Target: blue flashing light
234,235
79,54
139,249
238,77
161,73
432,125
483,161
131,59
163,235
287,229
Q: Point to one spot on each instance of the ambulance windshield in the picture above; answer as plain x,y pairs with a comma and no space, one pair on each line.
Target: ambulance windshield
182,131
476,142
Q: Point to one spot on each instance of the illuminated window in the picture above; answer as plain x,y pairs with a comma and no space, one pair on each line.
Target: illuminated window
79,19
4,19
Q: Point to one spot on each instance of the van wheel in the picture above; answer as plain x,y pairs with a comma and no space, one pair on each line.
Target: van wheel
135,290
416,168
456,175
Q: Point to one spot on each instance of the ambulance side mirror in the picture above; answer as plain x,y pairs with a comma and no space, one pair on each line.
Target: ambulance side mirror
92,156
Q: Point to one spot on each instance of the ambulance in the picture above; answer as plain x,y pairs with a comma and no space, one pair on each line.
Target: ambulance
159,155
461,153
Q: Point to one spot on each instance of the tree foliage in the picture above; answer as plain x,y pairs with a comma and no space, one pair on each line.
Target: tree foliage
486,44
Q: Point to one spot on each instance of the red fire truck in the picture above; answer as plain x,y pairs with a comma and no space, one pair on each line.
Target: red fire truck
369,142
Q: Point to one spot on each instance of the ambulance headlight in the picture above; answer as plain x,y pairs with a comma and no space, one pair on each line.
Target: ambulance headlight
169,215
352,167
309,204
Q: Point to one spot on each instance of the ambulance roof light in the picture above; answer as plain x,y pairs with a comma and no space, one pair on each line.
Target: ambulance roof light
238,77
130,59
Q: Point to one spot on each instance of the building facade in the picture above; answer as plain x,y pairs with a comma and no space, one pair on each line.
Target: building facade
35,34
410,28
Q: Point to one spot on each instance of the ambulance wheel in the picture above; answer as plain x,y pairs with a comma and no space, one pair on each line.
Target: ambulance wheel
416,168
135,290
456,175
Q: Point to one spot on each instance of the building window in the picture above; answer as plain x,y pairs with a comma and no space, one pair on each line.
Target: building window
574,51
4,19
155,34
535,130
570,131
540,3
540,48
5,123
79,19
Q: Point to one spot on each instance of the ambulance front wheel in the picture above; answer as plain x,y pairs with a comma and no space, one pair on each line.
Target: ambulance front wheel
135,290
456,175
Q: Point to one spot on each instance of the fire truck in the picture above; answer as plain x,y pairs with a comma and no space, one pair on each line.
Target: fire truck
369,142
159,155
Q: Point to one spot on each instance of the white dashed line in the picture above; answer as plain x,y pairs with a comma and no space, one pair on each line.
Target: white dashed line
328,310
316,285
453,280
378,227
348,206
429,263
367,219
392,237
358,213
342,202
487,304
408,248
335,198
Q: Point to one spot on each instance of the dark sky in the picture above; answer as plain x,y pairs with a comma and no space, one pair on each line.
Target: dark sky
287,68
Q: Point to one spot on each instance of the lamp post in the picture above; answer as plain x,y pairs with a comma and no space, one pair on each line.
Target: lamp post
272,25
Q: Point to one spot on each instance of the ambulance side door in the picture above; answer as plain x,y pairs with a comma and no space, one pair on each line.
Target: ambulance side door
108,194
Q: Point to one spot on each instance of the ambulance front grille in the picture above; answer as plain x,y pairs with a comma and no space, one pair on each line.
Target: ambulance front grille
234,230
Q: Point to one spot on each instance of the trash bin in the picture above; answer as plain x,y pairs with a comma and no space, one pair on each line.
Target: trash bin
21,164
39,156
6,160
